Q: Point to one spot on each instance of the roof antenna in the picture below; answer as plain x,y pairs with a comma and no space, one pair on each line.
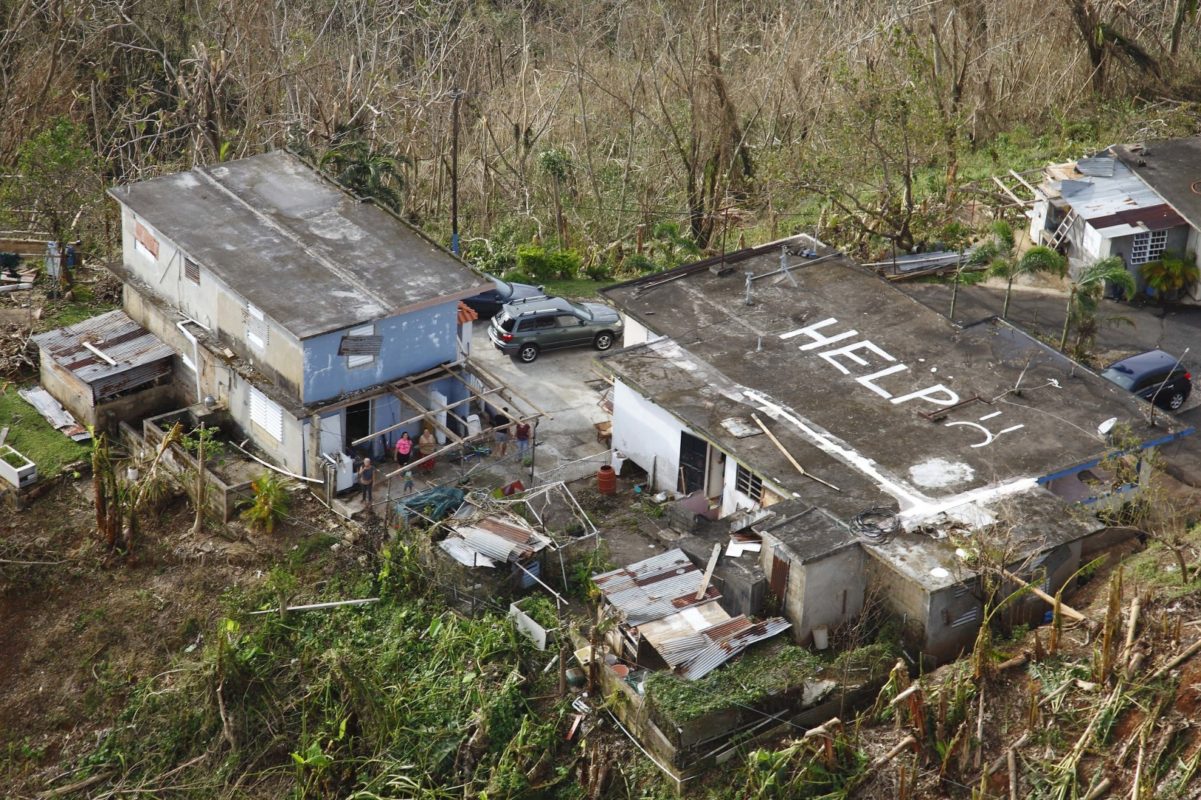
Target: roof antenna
784,265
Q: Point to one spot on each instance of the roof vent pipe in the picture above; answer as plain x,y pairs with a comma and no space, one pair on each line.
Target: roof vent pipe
750,277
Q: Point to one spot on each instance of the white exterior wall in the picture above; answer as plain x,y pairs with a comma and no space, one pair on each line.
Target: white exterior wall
1194,248
636,332
647,435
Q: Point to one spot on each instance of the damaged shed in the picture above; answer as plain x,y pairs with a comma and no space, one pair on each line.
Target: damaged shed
670,617
106,369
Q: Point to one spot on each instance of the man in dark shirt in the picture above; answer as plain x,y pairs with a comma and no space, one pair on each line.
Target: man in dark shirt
367,481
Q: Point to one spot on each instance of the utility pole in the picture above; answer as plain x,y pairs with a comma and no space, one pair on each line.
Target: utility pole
454,173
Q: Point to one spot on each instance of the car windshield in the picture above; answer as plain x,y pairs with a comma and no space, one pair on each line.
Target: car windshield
581,310
503,286
1122,376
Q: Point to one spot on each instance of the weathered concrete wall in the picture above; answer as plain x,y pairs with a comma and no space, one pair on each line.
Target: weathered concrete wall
141,404
211,303
64,387
281,358
412,343
636,332
905,598
833,589
647,435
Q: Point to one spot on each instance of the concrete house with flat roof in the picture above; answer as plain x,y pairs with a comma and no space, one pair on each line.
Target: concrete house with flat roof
1137,202
321,321
917,437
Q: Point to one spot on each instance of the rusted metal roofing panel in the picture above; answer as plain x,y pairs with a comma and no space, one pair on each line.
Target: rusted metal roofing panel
118,337
654,588
722,650
109,385
499,538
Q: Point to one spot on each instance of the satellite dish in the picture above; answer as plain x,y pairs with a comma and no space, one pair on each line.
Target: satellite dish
1105,427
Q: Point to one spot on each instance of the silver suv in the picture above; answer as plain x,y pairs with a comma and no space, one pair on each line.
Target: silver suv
525,328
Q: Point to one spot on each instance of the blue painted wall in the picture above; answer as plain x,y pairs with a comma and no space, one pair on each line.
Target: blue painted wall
412,343
388,410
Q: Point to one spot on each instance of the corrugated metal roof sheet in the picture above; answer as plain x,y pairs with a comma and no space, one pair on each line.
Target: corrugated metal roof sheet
654,588
501,538
721,650
140,355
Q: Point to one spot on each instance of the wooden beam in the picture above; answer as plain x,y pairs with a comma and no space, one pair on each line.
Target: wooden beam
1039,593
498,382
1008,191
708,576
1024,182
431,415
788,455
100,353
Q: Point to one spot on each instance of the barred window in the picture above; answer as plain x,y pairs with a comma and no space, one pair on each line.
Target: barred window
748,483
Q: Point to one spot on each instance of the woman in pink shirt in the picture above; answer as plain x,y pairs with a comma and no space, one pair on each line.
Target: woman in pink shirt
404,449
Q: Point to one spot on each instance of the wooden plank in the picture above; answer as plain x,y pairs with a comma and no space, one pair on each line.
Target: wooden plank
432,414
1023,181
1008,191
100,353
788,455
708,576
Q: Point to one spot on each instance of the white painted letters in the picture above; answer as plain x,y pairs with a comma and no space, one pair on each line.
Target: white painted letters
819,340
870,380
849,352
937,394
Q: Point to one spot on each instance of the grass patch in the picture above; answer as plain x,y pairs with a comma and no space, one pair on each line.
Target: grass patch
760,673
33,436
61,313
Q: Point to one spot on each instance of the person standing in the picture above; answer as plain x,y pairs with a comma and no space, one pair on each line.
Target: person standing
404,449
521,435
426,446
367,482
500,431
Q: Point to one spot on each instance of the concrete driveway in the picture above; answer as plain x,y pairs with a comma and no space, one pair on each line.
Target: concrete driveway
564,386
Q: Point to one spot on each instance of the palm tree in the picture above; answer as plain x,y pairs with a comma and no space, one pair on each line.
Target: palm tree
1084,295
997,253
367,172
1169,276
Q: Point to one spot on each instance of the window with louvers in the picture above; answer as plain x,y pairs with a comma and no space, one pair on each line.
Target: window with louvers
191,270
267,414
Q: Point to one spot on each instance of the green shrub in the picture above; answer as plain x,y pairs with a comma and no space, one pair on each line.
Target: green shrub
270,502
547,265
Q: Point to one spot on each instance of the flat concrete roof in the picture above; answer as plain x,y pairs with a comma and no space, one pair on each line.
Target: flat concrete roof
867,388
311,256
1171,167
1033,523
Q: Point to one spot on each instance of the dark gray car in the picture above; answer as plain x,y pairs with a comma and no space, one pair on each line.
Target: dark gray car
526,328
1155,376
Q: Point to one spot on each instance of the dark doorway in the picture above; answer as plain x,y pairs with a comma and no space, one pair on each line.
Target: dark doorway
358,425
779,578
694,455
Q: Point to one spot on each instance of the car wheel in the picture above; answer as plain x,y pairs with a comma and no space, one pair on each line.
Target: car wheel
603,341
527,353
1176,400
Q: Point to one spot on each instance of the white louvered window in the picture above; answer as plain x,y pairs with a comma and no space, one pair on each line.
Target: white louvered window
191,270
256,328
1148,246
267,414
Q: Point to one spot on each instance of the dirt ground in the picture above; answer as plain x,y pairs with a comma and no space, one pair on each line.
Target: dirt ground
78,629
